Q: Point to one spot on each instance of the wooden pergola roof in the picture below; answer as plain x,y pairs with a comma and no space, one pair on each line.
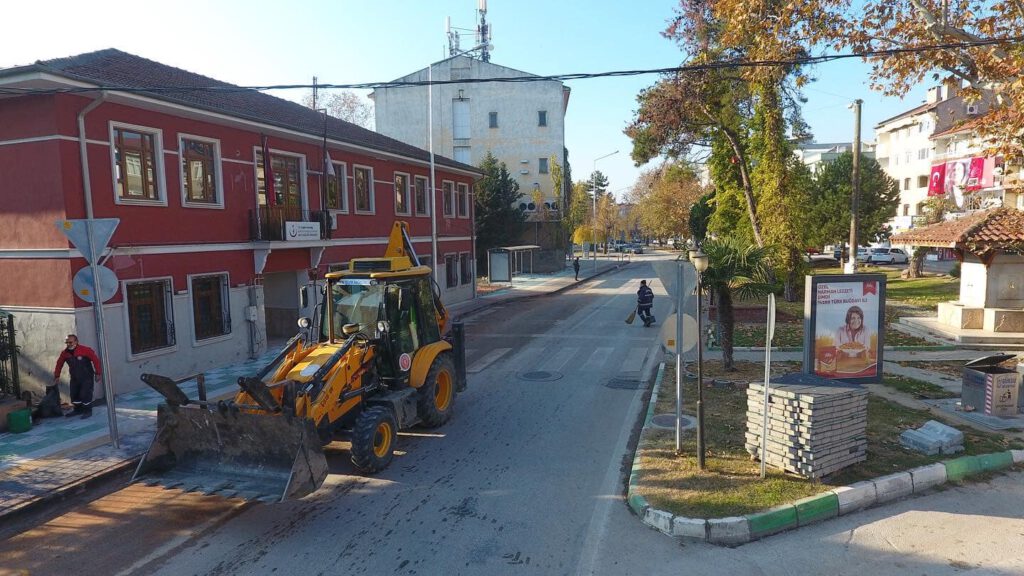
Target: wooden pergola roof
981,233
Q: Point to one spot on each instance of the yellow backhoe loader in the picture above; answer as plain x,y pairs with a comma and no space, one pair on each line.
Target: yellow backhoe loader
376,361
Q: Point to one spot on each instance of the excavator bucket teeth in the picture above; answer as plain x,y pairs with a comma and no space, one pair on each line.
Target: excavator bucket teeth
256,456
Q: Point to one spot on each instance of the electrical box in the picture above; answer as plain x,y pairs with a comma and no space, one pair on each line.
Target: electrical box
250,313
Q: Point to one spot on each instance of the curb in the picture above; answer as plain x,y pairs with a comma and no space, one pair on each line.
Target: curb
78,485
839,501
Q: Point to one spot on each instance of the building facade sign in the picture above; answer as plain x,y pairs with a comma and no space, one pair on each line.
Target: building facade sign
296,231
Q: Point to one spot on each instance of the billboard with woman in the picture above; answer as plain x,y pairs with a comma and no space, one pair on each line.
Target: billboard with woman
844,326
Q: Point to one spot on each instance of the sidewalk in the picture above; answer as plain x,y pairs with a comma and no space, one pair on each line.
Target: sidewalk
59,455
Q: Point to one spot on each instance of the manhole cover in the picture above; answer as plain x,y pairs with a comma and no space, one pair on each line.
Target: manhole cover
623,383
668,422
540,376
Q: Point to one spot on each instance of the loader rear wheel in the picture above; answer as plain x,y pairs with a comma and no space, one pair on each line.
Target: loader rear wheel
437,395
373,439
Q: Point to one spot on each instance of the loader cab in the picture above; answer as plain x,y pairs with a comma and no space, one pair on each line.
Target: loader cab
409,311
351,301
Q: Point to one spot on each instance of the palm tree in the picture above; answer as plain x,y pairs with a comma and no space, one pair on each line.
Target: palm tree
735,270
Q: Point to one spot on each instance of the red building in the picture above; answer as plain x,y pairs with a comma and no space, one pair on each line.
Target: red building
209,267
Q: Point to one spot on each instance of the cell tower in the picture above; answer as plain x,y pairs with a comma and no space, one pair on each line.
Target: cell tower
482,49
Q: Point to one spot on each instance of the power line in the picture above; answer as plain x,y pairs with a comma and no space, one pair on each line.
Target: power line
720,65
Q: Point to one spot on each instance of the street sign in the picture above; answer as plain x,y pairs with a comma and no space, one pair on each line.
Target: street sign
82,284
77,232
668,332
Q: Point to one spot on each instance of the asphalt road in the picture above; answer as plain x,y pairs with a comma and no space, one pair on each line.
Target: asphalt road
526,479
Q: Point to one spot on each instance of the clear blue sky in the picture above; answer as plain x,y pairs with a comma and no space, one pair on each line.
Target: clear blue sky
260,42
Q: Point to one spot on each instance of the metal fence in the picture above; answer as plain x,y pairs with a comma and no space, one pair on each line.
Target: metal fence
8,357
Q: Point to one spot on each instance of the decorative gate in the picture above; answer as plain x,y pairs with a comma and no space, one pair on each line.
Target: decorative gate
8,357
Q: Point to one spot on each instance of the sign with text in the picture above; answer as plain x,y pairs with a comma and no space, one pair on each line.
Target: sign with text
294,231
844,326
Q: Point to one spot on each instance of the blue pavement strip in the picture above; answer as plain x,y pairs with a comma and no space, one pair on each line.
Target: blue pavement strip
58,454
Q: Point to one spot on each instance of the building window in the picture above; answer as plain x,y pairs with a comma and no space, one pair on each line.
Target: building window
337,193
136,172
451,270
922,154
465,268
200,160
420,196
460,119
542,118
906,209
907,156
448,197
492,120
462,154
362,177
542,165
906,183
922,181
211,308
463,197
402,193
287,180
150,318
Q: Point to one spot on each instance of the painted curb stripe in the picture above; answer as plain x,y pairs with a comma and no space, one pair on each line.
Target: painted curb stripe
993,462
816,508
772,521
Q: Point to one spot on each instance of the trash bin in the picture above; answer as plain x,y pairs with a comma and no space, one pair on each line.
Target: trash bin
19,421
990,388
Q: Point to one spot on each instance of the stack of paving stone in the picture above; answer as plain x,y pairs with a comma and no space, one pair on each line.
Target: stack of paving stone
812,430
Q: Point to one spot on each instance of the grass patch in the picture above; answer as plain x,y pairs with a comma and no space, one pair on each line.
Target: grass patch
732,485
791,335
917,388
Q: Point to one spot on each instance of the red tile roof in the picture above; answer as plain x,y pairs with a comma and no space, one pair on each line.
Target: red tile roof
996,229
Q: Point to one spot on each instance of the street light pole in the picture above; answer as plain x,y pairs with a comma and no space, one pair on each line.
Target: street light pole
593,178
700,263
855,196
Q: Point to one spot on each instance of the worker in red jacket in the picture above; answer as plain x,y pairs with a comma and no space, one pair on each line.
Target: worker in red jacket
84,368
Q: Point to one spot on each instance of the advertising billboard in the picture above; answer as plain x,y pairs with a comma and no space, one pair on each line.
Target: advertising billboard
844,326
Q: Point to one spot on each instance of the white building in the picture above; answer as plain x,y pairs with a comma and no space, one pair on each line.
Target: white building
815,155
520,123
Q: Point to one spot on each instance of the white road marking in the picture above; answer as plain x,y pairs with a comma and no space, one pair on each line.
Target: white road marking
634,360
490,358
558,360
597,358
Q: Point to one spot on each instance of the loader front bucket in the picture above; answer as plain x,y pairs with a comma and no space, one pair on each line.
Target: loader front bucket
266,457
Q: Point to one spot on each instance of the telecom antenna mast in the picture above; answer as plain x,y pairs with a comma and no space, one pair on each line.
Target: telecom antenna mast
483,47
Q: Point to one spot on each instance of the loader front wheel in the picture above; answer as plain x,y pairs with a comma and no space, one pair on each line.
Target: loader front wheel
373,439
437,395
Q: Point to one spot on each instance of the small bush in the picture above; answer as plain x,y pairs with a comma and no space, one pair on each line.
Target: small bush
955,270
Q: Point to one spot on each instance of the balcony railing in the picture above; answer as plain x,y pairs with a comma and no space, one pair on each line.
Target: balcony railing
271,223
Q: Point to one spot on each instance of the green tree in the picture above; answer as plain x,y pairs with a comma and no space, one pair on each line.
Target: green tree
832,189
700,216
735,270
499,220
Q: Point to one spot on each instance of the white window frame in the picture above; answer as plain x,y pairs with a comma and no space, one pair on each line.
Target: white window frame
218,183
370,181
451,194
158,158
170,314
341,172
225,294
408,192
426,196
458,204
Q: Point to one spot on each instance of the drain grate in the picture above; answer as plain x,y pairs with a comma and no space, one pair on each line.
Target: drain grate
623,383
668,422
540,376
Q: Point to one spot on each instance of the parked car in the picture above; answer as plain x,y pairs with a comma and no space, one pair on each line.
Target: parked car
888,256
636,248
863,254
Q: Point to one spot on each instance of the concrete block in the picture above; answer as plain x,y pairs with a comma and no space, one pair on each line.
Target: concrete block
856,496
918,441
927,477
1018,456
683,527
893,486
771,521
730,531
996,461
816,508
959,468
659,519
952,440
639,504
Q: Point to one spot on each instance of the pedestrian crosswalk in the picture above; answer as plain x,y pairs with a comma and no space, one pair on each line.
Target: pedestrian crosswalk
562,359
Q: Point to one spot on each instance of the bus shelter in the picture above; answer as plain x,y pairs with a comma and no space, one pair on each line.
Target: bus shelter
507,261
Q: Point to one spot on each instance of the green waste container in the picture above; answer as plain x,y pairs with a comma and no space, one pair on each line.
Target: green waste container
19,421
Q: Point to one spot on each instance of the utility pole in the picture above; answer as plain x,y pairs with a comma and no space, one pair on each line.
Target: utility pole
851,266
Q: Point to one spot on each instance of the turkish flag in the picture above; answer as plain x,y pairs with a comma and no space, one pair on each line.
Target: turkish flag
268,174
937,181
